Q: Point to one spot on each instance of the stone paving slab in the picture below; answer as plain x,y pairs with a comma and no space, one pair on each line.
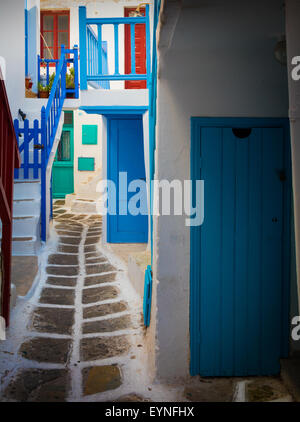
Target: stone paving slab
70,240
94,254
62,281
98,279
133,397
68,248
95,348
38,385
101,268
107,325
98,379
53,320
61,259
95,260
69,233
210,390
68,271
57,296
104,309
90,248
69,226
42,349
23,272
92,240
98,294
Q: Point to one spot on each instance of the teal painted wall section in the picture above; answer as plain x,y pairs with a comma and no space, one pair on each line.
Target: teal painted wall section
89,134
86,164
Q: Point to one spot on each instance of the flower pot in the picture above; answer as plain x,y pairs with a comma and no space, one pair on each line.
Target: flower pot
43,94
28,82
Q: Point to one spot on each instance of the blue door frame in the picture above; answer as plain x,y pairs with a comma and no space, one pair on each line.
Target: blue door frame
214,365
125,152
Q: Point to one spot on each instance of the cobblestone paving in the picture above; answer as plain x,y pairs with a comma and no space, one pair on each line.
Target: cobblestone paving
80,326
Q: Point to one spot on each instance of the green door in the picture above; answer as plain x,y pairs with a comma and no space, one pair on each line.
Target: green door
63,166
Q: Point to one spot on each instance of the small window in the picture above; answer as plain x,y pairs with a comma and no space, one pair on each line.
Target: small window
55,31
64,147
68,118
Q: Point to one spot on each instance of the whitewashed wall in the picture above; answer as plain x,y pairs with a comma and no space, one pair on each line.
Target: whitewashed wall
85,181
12,49
220,63
96,9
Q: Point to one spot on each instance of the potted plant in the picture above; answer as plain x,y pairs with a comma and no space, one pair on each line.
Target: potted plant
28,82
70,82
51,80
43,90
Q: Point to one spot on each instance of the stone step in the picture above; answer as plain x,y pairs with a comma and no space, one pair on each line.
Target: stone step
27,207
25,245
27,189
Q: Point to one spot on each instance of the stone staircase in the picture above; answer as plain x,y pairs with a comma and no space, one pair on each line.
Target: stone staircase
26,217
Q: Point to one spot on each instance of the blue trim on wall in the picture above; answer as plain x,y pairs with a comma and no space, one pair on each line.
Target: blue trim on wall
26,39
111,110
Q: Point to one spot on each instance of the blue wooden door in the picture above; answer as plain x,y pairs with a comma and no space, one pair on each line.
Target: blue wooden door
239,262
126,155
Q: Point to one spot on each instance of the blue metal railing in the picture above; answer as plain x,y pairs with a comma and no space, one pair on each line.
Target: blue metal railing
152,84
96,63
48,63
35,161
91,67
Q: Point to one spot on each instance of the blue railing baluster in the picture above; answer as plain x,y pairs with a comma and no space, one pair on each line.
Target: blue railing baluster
26,149
83,50
132,47
99,46
43,172
116,40
36,151
76,76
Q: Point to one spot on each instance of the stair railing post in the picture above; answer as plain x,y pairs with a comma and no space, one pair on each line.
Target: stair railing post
76,76
43,174
82,46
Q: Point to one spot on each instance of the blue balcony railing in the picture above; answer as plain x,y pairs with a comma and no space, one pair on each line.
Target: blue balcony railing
96,62
92,59
49,64
36,143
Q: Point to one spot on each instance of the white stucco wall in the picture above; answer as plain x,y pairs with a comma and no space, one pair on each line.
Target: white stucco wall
85,181
219,63
96,9
12,49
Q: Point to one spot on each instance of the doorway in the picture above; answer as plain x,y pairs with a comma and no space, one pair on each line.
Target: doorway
63,165
240,255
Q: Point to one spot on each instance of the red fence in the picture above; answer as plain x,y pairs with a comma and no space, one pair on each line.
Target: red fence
9,159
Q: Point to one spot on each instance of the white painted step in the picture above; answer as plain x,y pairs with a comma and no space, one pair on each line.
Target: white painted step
25,226
27,189
29,245
27,207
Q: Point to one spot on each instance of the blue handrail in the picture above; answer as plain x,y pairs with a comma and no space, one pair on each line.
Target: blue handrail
92,71
43,133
